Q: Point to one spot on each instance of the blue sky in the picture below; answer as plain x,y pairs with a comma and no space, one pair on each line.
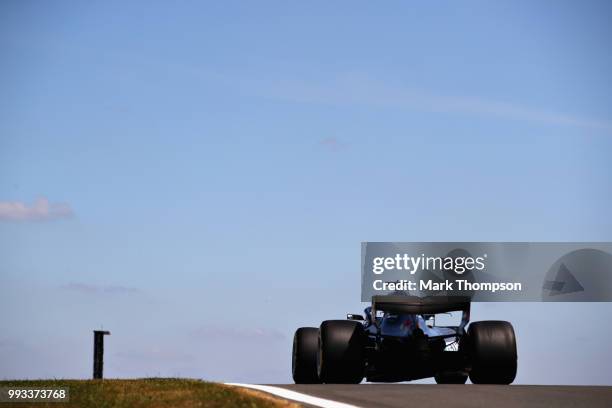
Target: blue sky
197,178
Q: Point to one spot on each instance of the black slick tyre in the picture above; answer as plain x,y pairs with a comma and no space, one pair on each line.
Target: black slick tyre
492,352
304,355
341,357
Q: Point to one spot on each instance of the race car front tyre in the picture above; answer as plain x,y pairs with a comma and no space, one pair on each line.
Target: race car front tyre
304,356
341,352
451,378
492,352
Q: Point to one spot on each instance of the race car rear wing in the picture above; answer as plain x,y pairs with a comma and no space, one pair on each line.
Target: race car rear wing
424,305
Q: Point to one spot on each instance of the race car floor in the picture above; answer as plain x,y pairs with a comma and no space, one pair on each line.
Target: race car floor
430,395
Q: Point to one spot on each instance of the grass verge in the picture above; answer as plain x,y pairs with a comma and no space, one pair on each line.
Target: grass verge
150,392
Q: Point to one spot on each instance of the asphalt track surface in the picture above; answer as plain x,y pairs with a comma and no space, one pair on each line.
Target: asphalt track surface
425,396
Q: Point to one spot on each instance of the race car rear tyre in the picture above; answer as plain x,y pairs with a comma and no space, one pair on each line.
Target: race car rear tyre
304,356
492,352
341,357
451,378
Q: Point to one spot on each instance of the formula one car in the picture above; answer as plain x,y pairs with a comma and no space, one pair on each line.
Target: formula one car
399,341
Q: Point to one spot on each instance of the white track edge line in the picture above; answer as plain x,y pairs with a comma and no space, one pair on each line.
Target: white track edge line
296,396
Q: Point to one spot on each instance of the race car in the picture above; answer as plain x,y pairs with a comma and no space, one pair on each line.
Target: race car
398,340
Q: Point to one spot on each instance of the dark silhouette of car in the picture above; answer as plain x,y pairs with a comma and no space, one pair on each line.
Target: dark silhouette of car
398,340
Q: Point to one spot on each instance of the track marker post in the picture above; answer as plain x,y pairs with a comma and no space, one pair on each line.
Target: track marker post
98,357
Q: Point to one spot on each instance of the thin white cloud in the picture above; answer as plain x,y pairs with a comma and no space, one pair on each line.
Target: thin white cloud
100,289
365,91
227,333
40,210
154,354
